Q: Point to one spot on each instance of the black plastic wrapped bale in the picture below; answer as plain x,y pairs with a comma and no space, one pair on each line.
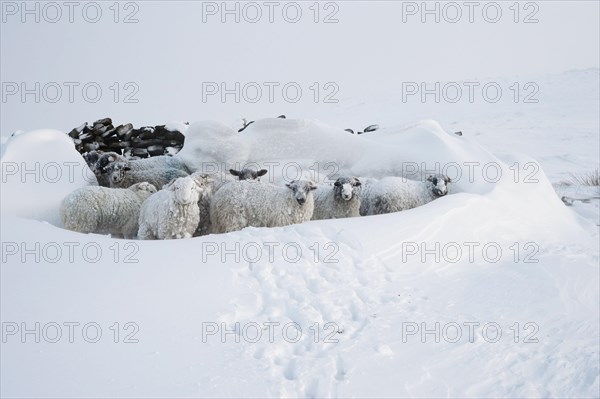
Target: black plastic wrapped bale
140,152
126,140
154,150
103,121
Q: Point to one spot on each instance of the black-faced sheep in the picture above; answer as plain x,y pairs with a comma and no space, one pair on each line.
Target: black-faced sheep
394,194
100,164
250,203
340,201
105,210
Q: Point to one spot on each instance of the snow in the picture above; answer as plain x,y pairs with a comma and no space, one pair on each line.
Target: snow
176,127
366,276
39,169
209,142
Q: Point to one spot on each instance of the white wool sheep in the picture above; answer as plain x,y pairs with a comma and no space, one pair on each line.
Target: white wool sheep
342,200
124,174
246,203
394,194
172,212
161,162
217,180
103,165
105,210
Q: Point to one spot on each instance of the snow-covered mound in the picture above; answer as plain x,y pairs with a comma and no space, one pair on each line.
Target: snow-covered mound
210,141
39,169
363,290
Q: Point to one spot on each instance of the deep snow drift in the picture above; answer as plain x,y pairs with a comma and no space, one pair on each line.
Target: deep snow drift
39,169
363,291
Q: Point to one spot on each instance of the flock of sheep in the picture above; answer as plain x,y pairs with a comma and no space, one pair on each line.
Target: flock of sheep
161,198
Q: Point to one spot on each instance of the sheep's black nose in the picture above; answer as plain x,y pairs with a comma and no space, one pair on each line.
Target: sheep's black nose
301,201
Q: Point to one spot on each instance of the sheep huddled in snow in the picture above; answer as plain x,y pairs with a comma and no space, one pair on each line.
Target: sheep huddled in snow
123,174
217,180
246,203
342,200
99,162
105,210
394,194
103,164
173,212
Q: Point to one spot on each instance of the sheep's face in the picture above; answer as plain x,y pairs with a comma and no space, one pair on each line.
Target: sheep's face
144,189
117,171
105,161
186,190
301,189
248,174
439,184
346,187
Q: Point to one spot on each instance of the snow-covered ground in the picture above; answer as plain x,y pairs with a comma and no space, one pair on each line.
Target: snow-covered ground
491,291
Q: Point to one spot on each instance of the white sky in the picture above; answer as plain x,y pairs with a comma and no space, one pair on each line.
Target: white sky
171,51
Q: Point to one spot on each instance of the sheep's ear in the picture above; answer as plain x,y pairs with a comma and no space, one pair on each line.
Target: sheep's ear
234,172
126,168
312,185
337,183
357,182
430,178
290,184
448,180
261,172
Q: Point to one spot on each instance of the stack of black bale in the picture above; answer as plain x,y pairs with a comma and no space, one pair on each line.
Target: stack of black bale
126,140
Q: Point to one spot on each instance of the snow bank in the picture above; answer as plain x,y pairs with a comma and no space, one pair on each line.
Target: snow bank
39,169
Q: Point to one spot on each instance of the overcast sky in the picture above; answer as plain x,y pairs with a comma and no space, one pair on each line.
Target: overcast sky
176,46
